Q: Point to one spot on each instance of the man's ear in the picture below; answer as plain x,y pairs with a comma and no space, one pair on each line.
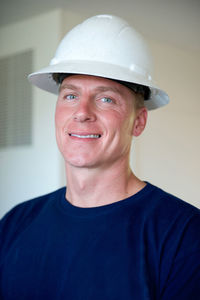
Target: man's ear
140,121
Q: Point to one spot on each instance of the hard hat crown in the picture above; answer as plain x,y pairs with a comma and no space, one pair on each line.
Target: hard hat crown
106,39
104,46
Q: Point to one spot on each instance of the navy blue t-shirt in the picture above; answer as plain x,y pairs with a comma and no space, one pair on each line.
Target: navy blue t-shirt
145,247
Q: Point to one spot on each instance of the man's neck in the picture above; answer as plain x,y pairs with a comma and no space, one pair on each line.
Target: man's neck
92,187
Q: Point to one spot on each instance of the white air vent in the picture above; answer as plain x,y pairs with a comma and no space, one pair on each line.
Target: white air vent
15,100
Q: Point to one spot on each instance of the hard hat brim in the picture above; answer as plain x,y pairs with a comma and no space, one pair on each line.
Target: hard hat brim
43,78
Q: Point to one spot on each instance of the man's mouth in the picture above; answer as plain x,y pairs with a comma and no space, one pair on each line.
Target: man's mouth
86,136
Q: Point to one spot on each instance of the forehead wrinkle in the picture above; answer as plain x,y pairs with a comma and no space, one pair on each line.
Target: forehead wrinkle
97,89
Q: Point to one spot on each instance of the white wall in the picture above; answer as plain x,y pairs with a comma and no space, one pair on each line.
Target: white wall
30,171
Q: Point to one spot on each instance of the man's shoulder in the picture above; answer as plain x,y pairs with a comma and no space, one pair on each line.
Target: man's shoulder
23,213
34,203
166,213
166,201
173,213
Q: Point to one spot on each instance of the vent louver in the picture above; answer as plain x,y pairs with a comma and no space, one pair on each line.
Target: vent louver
15,100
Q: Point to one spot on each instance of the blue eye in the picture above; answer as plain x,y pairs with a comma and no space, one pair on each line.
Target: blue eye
106,100
70,97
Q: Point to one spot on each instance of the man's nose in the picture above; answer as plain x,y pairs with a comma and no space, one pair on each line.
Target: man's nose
84,112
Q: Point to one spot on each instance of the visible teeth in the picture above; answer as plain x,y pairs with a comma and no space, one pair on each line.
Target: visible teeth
89,136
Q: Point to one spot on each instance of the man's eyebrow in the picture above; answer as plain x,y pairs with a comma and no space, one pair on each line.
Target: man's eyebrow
68,86
108,88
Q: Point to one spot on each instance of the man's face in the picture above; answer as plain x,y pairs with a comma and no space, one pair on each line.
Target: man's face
94,121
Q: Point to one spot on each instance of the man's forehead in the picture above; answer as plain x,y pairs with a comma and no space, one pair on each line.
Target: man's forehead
91,78
97,83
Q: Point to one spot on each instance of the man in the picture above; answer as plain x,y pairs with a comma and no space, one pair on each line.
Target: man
108,235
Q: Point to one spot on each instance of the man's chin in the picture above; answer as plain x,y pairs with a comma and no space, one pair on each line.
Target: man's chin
81,162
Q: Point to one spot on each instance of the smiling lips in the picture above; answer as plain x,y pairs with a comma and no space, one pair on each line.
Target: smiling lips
85,136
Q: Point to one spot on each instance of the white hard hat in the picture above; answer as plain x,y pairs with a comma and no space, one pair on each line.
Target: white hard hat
104,46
